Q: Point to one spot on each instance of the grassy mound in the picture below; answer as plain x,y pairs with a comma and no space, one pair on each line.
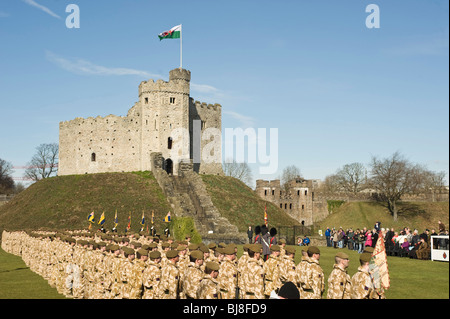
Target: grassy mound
64,202
241,206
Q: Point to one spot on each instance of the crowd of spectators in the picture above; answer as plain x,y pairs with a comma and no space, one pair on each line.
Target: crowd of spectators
403,243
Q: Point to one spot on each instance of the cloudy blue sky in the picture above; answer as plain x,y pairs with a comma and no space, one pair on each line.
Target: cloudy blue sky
337,91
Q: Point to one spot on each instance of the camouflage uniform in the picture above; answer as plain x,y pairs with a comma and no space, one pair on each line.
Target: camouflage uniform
252,280
312,280
272,274
362,285
208,288
227,279
192,278
151,279
339,284
170,277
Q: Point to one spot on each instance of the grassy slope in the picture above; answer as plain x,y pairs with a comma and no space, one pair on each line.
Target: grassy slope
64,202
240,205
418,215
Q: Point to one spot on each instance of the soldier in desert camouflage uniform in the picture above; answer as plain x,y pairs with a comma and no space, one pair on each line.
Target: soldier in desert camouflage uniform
192,276
312,280
339,282
362,282
288,270
228,274
208,288
170,276
271,269
151,277
252,276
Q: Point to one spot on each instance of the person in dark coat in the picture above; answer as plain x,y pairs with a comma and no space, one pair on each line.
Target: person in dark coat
250,234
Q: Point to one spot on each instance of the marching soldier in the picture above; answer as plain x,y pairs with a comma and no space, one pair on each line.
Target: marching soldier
271,269
252,275
362,282
193,275
228,274
151,277
312,280
339,282
208,286
288,270
170,276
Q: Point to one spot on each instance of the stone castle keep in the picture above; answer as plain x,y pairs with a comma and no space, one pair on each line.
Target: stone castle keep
125,143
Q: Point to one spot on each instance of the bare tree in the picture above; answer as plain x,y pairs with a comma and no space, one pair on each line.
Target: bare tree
392,178
44,163
6,181
241,171
330,185
351,177
289,173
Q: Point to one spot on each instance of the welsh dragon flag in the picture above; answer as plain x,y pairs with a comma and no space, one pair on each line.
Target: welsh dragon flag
173,33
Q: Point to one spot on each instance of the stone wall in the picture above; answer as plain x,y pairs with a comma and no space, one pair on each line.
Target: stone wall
298,201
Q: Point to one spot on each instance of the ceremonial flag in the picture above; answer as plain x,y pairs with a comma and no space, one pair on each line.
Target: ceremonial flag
91,217
129,221
102,219
143,219
153,217
116,220
174,33
266,219
167,218
379,266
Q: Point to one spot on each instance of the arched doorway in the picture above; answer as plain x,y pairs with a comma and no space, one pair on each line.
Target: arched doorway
168,166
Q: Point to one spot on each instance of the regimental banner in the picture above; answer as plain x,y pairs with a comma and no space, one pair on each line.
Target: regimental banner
379,267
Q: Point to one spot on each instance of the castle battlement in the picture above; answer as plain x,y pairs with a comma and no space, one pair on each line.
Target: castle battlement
203,105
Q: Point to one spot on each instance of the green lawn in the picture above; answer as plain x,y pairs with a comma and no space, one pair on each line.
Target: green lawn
407,277
17,281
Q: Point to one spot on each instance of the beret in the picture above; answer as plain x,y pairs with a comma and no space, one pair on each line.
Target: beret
192,247
365,257
212,265
368,250
342,255
313,250
172,254
142,252
155,254
290,249
274,248
254,248
197,254
229,250
212,245
128,251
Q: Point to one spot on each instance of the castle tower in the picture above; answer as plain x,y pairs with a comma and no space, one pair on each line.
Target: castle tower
165,119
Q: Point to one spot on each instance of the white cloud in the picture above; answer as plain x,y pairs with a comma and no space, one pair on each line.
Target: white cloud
203,88
83,67
4,14
246,121
41,7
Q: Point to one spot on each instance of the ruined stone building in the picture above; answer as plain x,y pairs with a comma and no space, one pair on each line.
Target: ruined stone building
298,199
162,121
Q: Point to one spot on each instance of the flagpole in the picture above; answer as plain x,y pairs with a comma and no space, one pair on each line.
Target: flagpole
181,46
